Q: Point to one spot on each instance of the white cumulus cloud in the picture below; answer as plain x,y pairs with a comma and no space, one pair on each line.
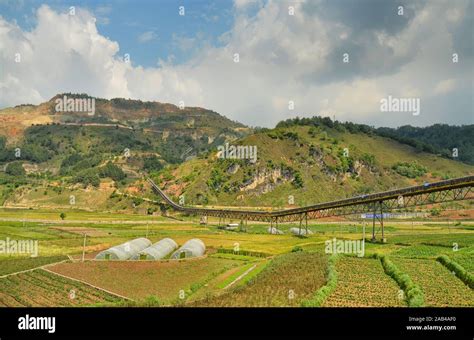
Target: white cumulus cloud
282,58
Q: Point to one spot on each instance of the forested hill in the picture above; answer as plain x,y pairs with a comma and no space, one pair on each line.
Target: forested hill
439,139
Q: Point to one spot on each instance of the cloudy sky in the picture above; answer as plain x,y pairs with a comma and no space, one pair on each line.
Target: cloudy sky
328,57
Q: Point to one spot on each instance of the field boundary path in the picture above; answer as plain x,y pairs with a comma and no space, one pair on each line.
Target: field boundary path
241,276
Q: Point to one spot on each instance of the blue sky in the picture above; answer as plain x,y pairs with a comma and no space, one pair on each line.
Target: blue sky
284,56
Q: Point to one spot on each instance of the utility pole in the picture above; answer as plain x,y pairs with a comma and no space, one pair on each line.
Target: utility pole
84,247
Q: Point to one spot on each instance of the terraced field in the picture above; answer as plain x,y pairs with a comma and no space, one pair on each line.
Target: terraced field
362,282
39,288
286,281
441,288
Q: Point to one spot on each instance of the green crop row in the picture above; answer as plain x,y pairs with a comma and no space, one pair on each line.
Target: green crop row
322,293
413,292
455,267
242,252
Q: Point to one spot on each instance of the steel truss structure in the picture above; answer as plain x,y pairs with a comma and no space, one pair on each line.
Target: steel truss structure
377,204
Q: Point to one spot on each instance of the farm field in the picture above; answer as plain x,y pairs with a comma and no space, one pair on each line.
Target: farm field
286,281
138,280
362,282
205,282
440,287
465,259
239,276
13,264
39,288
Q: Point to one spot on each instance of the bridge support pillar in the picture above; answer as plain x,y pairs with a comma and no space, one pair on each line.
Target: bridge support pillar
373,222
378,208
305,218
306,221
301,222
243,224
381,222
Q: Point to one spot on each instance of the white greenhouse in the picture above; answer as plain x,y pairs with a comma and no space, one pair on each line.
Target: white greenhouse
157,251
125,250
192,248
300,232
274,231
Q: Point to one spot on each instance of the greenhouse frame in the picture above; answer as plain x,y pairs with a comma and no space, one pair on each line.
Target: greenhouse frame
157,251
192,248
125,250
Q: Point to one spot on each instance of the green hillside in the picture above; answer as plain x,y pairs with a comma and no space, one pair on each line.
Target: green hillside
98,159
311,163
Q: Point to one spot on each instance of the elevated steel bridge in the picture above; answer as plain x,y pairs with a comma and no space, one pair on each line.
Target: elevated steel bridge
378,203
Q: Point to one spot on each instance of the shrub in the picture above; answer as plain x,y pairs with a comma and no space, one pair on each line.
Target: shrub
368,159
410,170
298,181
137,201
112,171
87,177
151,301
152,163
15,169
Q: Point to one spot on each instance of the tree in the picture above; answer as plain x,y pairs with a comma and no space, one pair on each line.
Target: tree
112,171
298,181
62,215
152,163
15,169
